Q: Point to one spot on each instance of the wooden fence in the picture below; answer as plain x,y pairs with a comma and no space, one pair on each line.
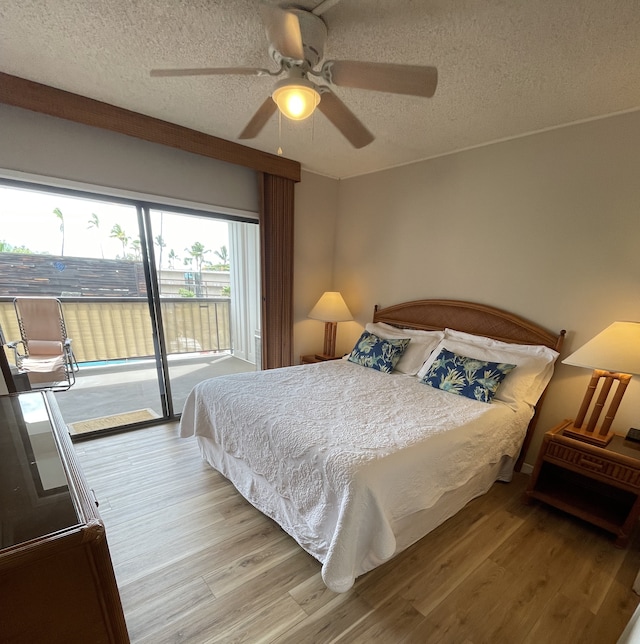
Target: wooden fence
116,329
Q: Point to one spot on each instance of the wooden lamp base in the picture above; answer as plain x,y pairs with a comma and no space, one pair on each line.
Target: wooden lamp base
329,348
588,433
593,438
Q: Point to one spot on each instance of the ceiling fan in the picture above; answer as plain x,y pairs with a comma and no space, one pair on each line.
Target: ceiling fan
296,43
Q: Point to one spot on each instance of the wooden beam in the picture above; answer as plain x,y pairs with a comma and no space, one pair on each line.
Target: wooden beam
29,95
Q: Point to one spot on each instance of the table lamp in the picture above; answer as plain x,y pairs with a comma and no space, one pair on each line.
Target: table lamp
330,309
614,355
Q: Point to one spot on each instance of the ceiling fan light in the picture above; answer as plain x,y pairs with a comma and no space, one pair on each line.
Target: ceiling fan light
296,99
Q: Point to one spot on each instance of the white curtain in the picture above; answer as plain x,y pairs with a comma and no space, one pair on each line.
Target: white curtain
244,253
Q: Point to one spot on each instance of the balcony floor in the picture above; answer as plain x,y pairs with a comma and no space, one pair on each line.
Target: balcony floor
106,390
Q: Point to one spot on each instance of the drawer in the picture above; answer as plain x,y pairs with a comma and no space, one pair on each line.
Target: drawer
601,466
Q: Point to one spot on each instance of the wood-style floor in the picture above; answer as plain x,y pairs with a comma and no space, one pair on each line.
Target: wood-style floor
196,563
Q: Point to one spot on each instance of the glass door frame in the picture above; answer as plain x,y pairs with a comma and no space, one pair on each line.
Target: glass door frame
143,209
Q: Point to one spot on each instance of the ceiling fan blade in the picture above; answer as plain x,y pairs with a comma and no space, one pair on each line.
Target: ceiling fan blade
212,71
283,31
344,119
415,80
259,119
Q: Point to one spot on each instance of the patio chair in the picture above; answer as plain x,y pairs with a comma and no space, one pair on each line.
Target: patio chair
44,351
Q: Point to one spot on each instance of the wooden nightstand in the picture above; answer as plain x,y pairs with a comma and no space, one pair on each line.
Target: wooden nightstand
599,485
313,358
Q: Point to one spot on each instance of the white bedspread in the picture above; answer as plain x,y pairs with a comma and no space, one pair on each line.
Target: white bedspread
340,453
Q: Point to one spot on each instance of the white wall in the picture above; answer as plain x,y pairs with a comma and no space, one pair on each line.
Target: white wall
316,212
546,226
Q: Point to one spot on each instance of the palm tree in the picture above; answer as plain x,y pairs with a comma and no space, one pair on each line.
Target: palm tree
58,213
135,247
118,233
197,252
94,222
223,255
172,258
160,243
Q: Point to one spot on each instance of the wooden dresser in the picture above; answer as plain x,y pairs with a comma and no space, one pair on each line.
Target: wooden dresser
56,578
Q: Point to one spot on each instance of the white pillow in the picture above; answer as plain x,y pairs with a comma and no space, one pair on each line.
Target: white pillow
383,327
417,351
524,384
496,344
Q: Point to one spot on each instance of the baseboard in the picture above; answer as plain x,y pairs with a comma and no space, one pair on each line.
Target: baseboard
526,468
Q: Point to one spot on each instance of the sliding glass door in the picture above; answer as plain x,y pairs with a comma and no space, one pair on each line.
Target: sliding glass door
206,278
154,300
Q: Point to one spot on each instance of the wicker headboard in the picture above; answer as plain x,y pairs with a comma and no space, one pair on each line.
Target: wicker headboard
469,317
473,318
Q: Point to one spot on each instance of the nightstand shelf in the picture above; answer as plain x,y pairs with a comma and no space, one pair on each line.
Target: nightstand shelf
583,497
598,485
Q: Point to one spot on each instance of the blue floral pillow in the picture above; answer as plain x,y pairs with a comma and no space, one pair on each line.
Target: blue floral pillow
378,353
475,379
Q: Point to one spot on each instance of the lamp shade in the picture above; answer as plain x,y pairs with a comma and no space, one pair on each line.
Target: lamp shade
616,349
331,308
296,99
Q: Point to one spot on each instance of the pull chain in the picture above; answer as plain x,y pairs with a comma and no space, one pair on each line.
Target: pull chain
279,133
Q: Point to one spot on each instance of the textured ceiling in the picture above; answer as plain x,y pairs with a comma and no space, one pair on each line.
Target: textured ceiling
506,67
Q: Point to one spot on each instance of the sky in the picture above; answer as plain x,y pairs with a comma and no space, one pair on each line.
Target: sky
27,218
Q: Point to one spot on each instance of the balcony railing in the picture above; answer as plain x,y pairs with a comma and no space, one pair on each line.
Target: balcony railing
120,328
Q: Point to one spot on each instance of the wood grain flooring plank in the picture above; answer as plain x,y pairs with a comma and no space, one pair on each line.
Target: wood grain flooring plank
619,604
157,613
590,584
172,520
195,564
390,622
237,610
140,558
389,578
445,570
472,609
312,594
264,625
562,615
232,573
330,622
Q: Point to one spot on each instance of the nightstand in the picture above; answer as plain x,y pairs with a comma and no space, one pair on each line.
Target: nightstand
317,357
600,485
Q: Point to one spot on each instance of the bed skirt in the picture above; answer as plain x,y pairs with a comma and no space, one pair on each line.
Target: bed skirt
407,530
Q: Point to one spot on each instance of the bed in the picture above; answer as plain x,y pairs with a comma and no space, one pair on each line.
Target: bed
359,458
